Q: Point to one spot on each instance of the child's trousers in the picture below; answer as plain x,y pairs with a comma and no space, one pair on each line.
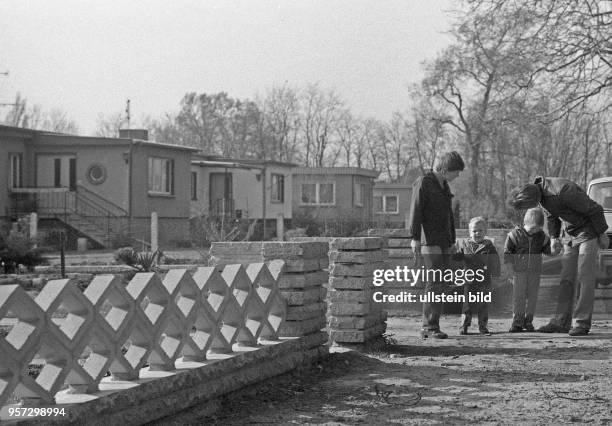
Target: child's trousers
475,308
524,297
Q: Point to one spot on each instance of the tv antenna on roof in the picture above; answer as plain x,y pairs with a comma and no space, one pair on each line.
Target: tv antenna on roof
127,113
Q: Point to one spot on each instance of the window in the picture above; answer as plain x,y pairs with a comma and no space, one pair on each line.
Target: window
386,204
278,188
57,172
194,185
16,170
309,193
161,176
359,193
318,193
96,174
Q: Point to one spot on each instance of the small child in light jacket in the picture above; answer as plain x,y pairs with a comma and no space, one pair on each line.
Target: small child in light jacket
477,253
523,252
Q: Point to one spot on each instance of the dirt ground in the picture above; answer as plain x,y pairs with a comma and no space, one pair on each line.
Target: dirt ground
527,378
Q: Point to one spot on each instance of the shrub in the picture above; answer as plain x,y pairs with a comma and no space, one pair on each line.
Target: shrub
19,249
142,262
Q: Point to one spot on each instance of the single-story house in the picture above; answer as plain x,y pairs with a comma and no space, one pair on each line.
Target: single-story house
240,189
334,193
100,188
392,203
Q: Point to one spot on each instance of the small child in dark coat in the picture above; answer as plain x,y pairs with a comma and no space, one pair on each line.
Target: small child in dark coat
523,252
477,253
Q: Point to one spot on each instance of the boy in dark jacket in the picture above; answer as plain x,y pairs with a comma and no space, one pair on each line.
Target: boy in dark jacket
523,252
431,225
477,253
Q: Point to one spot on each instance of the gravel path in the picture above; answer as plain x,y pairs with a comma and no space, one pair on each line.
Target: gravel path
527,378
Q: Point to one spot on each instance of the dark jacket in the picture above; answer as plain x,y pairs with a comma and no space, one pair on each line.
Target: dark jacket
479,256
431,208
524,251
567,204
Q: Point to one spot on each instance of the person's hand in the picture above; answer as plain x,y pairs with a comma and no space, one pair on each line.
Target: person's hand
416,247
603,241
556,246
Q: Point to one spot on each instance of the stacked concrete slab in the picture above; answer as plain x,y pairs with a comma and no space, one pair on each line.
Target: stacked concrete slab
301,283
354,317
399,254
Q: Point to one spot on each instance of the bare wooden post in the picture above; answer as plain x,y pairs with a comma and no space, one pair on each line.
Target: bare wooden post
34,228
62,254
280,227
154,232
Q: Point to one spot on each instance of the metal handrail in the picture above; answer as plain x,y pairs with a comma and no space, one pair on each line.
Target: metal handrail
102,202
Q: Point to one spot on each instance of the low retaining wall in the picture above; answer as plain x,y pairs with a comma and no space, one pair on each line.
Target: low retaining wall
177,321
159,394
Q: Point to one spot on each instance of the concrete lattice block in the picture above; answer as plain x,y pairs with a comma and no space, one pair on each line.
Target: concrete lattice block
79,336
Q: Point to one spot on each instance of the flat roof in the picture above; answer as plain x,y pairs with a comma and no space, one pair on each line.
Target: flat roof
247,161
386,185
335,171
104,141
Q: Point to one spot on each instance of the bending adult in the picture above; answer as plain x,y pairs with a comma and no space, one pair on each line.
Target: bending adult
432,227
577,223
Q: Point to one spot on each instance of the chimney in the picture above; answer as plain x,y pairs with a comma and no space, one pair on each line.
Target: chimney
142,134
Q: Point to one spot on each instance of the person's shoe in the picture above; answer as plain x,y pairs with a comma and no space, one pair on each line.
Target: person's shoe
578,331
515,329
529,327
434,334
485,331
552,328
463,331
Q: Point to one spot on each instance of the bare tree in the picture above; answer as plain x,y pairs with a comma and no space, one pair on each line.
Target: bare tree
281,115
320,114
34,117
569,43
108,125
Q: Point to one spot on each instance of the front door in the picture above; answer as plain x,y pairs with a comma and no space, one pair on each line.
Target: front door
221,194
56,171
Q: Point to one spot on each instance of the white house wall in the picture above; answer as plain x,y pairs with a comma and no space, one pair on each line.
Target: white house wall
247,191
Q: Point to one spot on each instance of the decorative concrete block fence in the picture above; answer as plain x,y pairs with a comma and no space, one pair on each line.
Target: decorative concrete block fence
354,316
301,284
91,346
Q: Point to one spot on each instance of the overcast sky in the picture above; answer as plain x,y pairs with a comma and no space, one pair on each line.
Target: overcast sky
88,57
